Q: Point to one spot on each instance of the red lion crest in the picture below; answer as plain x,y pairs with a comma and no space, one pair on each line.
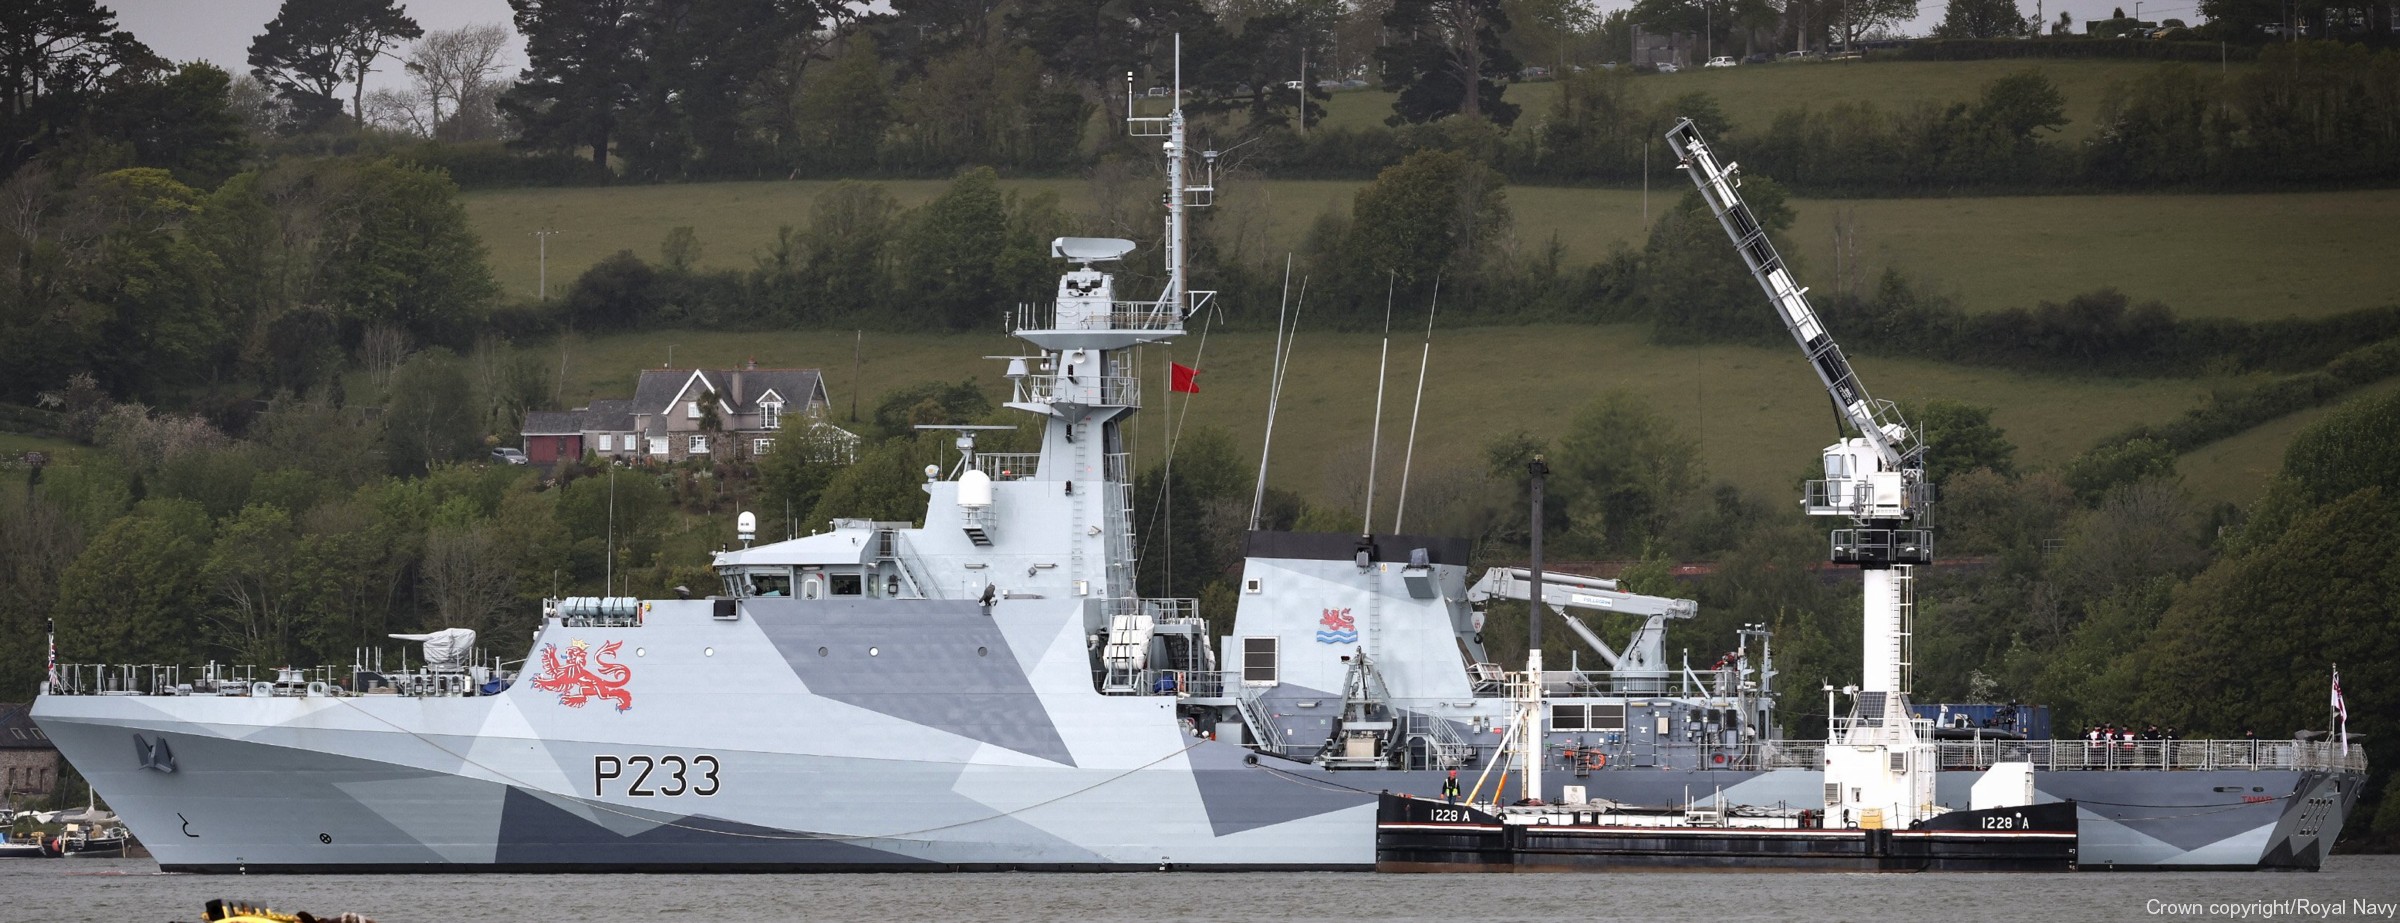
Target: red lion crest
578,678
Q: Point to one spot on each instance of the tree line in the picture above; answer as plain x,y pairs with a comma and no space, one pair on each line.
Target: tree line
668,90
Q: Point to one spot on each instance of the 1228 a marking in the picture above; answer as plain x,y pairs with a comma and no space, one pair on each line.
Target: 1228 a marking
678,775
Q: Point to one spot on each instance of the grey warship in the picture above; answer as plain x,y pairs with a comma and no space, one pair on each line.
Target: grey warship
989,691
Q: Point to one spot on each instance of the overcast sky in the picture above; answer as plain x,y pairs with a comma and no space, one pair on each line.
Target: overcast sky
219,31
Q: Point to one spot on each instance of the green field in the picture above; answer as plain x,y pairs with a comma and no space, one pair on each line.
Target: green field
1759,413
14,445
2237,468
2249,256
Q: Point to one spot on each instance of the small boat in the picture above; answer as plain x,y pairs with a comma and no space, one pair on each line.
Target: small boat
224,911
93,842
12,848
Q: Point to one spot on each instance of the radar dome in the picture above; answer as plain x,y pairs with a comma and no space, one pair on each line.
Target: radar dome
974,489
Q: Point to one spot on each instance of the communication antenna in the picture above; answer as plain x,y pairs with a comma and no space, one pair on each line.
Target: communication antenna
1424,362
1366,519
1281,365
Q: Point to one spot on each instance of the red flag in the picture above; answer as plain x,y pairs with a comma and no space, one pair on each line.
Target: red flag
1183,379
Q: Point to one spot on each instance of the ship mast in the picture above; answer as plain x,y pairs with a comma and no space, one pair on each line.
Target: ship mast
1085,383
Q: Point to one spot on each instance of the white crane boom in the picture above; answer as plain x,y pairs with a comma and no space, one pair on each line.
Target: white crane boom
1645,654
1878,421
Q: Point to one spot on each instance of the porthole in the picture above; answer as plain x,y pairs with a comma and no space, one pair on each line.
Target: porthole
822,652
983,651
641,652
874,652
708,652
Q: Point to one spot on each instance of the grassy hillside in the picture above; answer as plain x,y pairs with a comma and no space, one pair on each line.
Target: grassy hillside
2252,256
1752,95
2237,468
1759,414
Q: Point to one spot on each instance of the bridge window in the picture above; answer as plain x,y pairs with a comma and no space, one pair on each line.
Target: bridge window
1566,717
848,585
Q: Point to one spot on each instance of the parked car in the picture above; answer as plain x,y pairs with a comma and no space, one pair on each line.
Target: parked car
1668,67
1722,60
506,455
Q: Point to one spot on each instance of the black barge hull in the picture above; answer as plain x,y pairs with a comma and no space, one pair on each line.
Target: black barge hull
1419,835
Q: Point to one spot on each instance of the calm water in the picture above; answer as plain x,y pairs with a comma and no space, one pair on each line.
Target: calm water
53,890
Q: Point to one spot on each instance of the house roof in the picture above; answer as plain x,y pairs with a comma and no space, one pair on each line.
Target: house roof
18,732
599,417
608,416
553,423
659,390
739,389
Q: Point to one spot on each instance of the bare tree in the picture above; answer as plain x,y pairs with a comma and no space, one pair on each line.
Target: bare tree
1854,20
1846,270
381,349
468,575
455,75
399,110
260,109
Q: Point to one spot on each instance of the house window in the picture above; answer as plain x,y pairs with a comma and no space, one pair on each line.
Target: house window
658,445
761,447
770,415
608,443
692,411
696,445
1258,660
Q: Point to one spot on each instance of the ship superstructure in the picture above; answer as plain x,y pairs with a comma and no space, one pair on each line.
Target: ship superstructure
990,690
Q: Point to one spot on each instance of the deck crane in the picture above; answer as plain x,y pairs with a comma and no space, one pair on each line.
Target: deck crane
1884,769
1642,666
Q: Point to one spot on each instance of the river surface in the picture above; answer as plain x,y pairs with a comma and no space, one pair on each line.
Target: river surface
2350,888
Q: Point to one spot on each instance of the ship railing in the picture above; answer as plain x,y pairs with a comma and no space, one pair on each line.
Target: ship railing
2134,755
1161,610
1791,754
147,679
1121,315
118,679
1182,684
1445,747
1209,684
1087,390
1008,466
1264,733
